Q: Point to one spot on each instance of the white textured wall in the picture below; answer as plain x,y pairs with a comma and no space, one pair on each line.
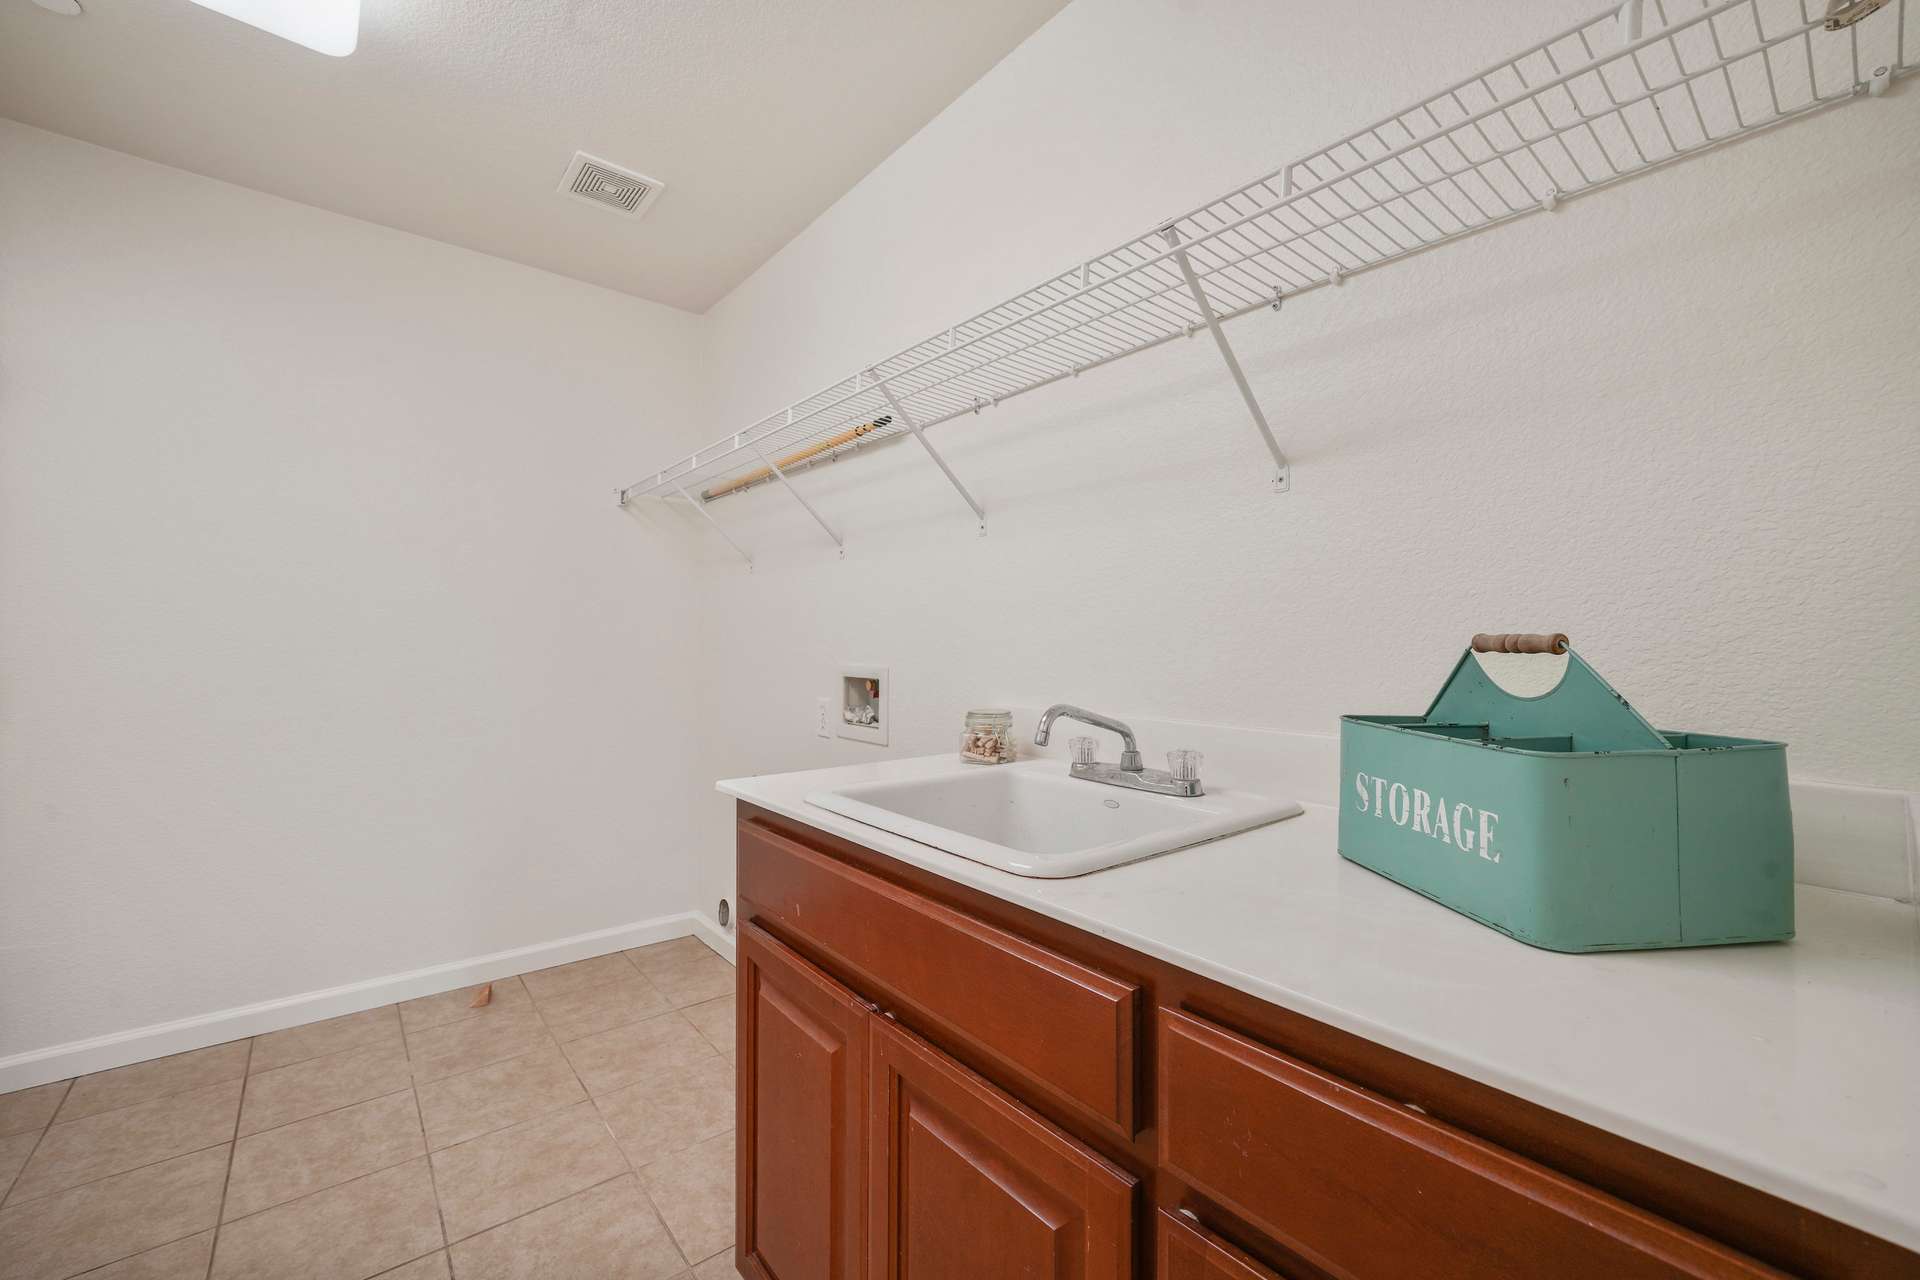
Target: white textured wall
1679,420
326,652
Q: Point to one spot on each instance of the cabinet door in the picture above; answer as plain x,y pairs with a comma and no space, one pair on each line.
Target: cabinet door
802,1116
965,1183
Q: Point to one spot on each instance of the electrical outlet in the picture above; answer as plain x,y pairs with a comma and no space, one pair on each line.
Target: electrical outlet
820,727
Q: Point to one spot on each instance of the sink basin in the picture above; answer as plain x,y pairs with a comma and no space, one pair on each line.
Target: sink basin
1034,820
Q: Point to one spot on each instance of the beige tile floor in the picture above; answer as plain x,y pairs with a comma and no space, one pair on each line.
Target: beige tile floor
580,1126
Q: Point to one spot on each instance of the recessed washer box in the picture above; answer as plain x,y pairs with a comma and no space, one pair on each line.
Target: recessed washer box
864,702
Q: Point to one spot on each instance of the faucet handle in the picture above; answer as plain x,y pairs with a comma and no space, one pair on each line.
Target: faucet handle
1184,764
1083,749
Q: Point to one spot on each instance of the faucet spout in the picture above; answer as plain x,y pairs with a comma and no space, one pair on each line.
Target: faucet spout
1130,749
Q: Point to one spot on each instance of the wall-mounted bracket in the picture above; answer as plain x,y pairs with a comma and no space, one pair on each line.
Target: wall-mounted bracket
798,497
906,420
1633,21
701,507
1281,478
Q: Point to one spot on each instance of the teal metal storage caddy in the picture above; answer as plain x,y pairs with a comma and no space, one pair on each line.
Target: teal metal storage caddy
1566,820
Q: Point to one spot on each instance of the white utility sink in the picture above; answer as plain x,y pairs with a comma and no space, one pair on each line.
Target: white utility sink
1034,820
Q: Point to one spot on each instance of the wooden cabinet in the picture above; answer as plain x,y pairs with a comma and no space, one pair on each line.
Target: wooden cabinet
966,1184
1067,1027
802,1116
864,1151
935,1084
1362,1186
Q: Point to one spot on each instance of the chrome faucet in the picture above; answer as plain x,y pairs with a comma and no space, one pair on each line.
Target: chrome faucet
1184,780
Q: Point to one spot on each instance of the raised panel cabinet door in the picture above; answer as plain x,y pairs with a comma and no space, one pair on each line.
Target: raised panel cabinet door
1187,1253
802,1116
966,1184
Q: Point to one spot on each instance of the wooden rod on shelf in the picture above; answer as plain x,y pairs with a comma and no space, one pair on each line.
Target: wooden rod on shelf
811,451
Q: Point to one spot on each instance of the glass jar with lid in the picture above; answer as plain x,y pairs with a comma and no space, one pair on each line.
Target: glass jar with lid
987,738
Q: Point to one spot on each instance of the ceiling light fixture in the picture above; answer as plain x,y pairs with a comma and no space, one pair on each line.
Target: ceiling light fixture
326,26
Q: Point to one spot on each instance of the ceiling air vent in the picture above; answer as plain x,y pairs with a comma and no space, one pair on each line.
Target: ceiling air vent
608,185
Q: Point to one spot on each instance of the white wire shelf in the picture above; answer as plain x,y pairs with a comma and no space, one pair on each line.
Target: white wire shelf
1642,85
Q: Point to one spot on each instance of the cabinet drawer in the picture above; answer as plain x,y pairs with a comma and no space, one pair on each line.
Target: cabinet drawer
1067,1028
1187,1253
1361,1186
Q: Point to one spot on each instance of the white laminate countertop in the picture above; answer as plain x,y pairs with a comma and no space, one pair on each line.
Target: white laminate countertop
1793,1067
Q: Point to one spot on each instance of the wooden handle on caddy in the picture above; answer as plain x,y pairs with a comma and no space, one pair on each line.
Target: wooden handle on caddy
1520,642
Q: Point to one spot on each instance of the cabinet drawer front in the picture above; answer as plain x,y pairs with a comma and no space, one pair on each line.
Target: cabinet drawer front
1363,1187
1187,1253
1068,1028
966,1184
802,1117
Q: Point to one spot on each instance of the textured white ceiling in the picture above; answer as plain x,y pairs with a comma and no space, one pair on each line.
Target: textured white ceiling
456,118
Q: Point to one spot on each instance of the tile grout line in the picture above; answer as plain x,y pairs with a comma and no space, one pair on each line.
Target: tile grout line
233,1144
164,1244
645,1192
633,1170
639,1183
67,1098
6,1198
661,1218
433,1179
475,1235
324,1057
467,1071
105,1177
419,1115
330,1111
598,1115
446,1237
397,1266
300,1062
318,1191
158,1097
167,1097
89,1182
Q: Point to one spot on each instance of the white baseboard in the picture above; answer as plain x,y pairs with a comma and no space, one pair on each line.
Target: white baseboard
79,1057
711,932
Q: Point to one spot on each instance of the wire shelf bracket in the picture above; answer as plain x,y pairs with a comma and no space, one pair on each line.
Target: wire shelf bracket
701,507
900,412
1641,85
798,497
1172,236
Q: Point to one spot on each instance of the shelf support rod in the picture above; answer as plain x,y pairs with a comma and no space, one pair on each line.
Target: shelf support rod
906,418
1172,237
798,497
702,509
